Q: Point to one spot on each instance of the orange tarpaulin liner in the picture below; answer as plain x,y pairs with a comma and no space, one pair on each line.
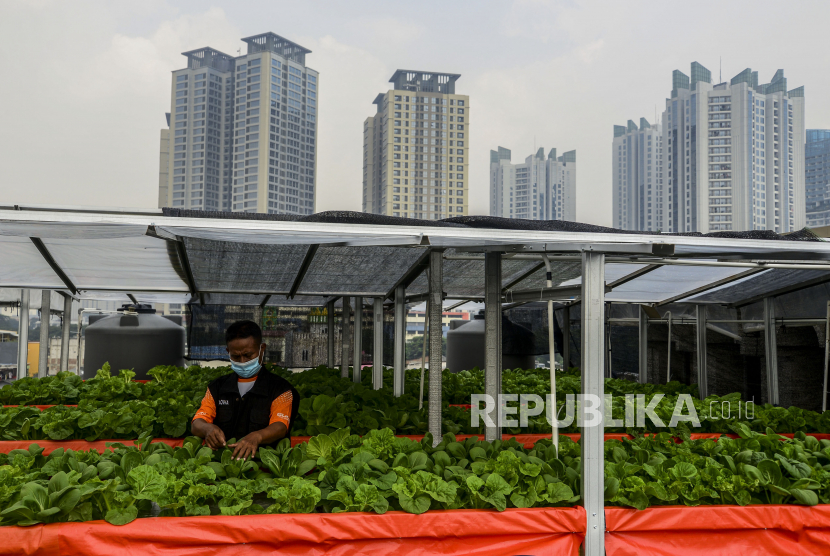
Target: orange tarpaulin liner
768,530
528,440
537,531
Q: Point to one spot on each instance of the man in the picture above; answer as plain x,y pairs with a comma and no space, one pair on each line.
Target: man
251,405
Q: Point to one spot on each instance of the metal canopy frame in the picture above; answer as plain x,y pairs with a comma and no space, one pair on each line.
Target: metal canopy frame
50,260
593,250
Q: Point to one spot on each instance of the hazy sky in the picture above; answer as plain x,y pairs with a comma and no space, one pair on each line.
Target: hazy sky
86,83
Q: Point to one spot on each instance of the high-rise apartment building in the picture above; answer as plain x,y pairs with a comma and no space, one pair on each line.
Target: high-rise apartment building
637,177
817,177
539,189
164,164
243,130
730,157
416,148
733,154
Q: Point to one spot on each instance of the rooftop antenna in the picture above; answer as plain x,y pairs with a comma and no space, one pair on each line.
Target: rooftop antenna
239,51
720,69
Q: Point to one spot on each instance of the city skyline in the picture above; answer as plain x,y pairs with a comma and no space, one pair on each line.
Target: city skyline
117,91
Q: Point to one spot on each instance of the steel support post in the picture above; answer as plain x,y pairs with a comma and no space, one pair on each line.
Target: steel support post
377,349
23,335
330,332
436,336
67,323
400,341
45,313
566,337
700,328
643,344
357,359
345,344
826,359
492,339
771,350
593,390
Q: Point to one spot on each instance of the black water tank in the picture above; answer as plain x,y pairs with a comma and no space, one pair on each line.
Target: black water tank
136,338
465,346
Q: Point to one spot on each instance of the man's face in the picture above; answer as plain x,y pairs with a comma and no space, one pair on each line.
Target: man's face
243,350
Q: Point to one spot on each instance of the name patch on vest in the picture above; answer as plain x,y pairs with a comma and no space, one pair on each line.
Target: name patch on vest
224,402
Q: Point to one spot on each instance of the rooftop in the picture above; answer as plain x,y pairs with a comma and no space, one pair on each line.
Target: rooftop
271,42
424,81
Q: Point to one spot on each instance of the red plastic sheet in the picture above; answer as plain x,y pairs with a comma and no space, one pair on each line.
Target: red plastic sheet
769,530
40,407
528,440
7,446
537,531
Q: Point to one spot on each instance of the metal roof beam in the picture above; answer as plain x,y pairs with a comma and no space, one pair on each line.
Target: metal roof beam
411,273
545,294
309,256
633,275
522,277
50,260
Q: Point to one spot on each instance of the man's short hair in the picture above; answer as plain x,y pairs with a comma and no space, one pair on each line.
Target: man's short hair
244,329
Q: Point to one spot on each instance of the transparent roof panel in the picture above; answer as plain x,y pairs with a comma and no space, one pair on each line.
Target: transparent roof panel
223,266
141,297
769,281
22,265
667,281
139,263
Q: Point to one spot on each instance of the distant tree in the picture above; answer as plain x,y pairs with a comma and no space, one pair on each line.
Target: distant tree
415,346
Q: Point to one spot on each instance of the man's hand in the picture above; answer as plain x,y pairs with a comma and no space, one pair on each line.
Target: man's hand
215,438
247,446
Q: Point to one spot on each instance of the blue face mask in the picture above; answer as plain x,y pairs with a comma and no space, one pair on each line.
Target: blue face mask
247,369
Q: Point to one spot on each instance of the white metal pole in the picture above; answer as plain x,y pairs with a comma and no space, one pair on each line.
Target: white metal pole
377,349
702,374
668,366
67,323
80,337
771,350
643,345
400,341
424,355
436,335
492,339
566,337
23,335
330,331
45,313
345,346
552,352
357,361
826,359
593,386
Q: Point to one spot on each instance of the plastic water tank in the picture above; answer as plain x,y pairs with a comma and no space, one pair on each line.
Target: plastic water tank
465,345
136,338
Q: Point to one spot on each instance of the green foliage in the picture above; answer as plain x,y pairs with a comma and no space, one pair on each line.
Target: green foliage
341,472
117,407
753,469
337,472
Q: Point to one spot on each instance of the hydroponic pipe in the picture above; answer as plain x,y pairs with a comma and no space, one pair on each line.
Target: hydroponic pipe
552,352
